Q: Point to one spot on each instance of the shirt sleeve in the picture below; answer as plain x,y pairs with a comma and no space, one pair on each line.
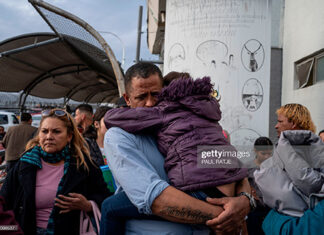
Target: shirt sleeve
309,224
132,170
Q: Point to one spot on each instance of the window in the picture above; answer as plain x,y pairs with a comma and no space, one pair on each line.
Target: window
320,68
309,70
15,119
3,119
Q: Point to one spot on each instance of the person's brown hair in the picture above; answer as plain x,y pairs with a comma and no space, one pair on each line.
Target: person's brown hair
299,115
79,147
167,79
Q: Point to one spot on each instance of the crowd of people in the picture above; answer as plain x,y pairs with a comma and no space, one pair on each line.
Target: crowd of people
150,143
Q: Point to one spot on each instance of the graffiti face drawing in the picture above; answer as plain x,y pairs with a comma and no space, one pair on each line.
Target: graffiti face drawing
244,137
176,57
212,53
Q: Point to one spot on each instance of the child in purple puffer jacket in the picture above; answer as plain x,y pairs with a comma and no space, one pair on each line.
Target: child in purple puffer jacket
185,117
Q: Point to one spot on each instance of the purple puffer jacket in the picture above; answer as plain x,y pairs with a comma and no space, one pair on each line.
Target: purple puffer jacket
185,117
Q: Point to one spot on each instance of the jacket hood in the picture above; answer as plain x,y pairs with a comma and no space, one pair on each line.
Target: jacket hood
184,87
299,137
193,95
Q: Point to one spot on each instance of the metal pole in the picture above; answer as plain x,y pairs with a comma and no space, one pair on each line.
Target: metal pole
139,33
24,48
121,41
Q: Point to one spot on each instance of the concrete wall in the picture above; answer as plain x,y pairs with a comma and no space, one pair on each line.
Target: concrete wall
277,27
275,90
303,35
155,25
277,17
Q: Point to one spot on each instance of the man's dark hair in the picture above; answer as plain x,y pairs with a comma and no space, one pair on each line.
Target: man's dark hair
263,143
25,117
142,70
100,113
85,108
91,131
322,131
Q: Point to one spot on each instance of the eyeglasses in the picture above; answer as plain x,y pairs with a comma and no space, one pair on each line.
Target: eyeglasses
56,112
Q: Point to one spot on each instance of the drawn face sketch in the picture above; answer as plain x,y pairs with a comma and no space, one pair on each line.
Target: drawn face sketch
234,117
252,55
252,95
212,53
176,57
244,137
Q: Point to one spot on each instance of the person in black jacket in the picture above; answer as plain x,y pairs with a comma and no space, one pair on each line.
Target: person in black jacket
95,136
54,179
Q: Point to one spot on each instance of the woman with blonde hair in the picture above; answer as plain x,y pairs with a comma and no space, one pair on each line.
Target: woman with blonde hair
55,179
294,117
292,181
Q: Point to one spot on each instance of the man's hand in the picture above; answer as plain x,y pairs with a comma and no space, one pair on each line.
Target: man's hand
232,218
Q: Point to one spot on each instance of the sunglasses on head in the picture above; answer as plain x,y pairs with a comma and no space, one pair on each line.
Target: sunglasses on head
56,112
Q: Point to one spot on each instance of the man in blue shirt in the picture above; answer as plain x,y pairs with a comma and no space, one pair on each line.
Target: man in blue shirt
137,166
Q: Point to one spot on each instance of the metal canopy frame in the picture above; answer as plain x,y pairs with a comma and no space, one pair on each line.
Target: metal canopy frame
46,75
102,62
55,72
116,68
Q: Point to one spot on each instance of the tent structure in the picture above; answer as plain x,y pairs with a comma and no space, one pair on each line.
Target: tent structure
74,62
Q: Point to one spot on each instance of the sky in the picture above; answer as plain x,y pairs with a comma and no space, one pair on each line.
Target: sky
117,16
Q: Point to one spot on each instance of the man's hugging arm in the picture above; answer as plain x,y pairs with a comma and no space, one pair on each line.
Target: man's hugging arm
177,206
220,214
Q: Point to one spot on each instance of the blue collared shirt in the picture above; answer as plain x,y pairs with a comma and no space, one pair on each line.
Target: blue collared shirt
137,166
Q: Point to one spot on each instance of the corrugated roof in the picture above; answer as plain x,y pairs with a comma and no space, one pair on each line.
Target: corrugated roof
57,68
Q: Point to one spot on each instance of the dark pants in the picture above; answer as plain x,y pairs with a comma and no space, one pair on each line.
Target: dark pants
115,210
10,165
255,220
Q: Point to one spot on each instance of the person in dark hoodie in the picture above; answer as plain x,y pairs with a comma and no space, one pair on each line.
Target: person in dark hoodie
185,117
